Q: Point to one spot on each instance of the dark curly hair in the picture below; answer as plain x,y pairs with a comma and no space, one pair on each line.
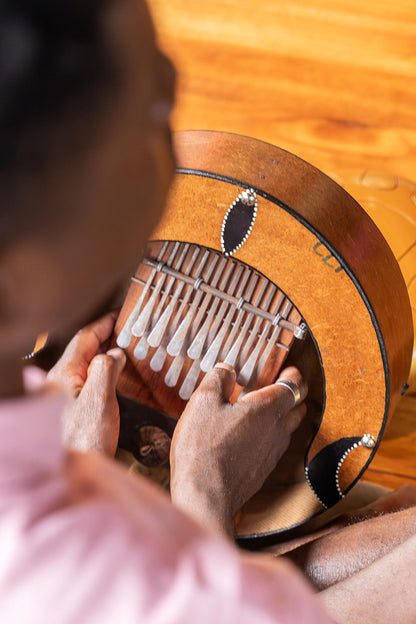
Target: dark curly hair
55,69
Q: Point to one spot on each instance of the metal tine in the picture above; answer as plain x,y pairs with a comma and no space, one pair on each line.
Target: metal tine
234,353
142,347
190,380
258,323
159,357
125,335
175,345
192,375
158,331
171,282
275,335
143,319
211,355
175,368
230,340
268,349
247,370
197,346
172,376
207,364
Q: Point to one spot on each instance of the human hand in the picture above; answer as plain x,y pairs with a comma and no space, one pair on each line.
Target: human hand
91,421
221,453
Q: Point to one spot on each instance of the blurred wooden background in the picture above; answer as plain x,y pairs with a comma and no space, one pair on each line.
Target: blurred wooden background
334,82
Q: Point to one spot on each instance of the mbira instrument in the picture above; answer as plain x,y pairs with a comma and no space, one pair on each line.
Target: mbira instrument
260,259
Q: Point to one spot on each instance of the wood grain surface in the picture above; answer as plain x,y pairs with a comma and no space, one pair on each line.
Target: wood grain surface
332,81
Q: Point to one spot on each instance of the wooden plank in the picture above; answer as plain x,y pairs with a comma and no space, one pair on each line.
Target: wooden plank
333,82
389,480
396,456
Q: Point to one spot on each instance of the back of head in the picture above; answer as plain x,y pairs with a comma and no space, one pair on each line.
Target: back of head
85,156
55,68
56,73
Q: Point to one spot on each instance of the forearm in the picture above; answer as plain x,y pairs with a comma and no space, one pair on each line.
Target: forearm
207,505
383,592
335,557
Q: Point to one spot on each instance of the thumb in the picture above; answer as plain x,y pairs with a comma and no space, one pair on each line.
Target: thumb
219,381
105,370
120,359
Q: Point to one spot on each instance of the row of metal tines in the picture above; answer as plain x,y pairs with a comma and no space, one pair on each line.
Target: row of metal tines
198,304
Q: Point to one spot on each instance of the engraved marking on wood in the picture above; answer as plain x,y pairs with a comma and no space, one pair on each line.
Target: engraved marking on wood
327,257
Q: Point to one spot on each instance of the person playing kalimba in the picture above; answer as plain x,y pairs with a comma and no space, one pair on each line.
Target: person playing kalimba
86,163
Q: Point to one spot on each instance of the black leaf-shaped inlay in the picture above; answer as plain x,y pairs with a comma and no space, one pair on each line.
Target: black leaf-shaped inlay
322,472
238,222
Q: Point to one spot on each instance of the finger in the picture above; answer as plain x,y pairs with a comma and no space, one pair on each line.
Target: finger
119,356
86,343
296,415
104,372
292,374
277,400
218,382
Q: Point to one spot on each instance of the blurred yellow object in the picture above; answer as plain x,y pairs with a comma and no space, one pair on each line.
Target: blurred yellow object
40,343
391,203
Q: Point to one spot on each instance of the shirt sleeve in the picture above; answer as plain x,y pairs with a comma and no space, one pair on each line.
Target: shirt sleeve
101,546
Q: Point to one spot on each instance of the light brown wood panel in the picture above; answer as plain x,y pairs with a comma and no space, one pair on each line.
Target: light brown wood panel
388,479
397,452
332,81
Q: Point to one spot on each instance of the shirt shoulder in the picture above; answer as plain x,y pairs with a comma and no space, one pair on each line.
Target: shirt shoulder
94,544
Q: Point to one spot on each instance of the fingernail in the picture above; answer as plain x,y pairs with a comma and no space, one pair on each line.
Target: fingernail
117,354
227,367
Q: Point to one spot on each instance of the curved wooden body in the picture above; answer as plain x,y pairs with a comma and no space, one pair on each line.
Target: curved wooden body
313,241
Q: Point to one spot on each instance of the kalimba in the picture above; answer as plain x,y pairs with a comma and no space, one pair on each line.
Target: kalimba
261,259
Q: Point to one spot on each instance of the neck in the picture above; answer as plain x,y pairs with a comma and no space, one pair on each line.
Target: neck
11,382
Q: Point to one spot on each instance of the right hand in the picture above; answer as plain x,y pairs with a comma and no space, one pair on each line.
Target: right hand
221,453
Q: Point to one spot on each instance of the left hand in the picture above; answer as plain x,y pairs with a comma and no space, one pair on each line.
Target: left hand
91,421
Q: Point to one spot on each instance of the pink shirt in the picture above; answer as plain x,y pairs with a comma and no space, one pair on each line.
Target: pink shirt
83,541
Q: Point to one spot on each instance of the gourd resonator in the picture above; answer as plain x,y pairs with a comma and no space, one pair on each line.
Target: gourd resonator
260,258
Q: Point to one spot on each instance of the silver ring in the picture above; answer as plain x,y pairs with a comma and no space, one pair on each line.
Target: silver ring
292,387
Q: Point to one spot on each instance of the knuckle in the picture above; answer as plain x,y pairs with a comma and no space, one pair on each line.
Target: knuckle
195,400
211,383
84,334
81,333
200,397
103,361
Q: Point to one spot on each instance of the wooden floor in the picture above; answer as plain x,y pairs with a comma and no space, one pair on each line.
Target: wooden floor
333,81
395,461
